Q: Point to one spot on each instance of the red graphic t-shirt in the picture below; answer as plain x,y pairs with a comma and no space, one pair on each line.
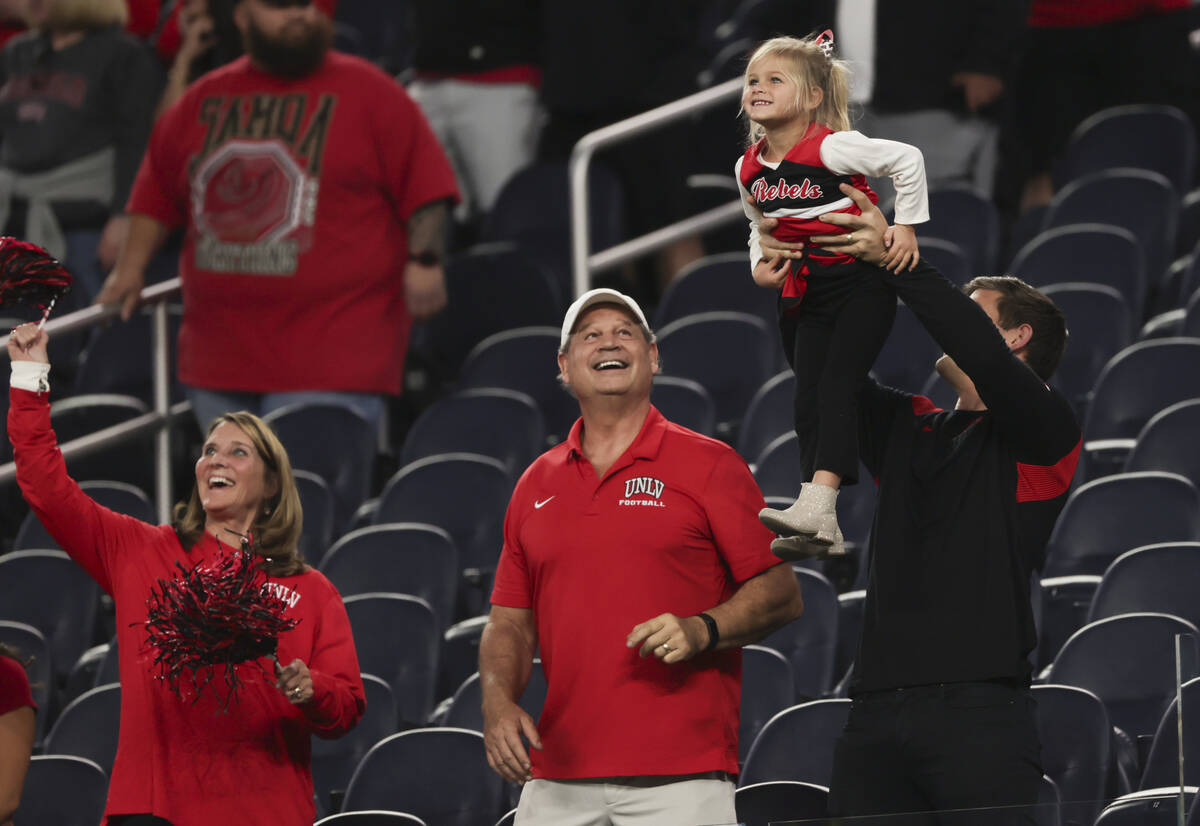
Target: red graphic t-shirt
295,195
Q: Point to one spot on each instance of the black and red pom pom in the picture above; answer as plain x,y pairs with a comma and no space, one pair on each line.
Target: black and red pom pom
211,618
29,276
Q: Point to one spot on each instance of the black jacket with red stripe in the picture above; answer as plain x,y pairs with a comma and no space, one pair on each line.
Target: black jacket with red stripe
966,504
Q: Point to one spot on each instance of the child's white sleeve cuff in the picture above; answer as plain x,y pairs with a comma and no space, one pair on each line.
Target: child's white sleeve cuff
31,375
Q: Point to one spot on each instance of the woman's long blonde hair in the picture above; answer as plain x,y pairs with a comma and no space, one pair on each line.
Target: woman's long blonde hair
69,15
808,67
276,529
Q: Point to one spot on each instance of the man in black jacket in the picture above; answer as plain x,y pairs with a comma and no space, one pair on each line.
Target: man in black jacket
942,716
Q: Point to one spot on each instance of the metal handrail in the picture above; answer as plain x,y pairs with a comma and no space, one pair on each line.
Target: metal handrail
163,412
584,262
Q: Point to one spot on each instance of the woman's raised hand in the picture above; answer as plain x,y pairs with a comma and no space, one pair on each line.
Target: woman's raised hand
28,343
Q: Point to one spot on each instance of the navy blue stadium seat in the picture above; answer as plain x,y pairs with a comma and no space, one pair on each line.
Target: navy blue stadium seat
84,674
1088,253
768,415
948,257
504,424
509,818
1168,442
1188,235
775,754
43,801
1075,734
536,199
47,590
524,360
1191,314
35,654
376,817
117,496
1141,135
118,358
730,354
715,283
1169,292
439,774
1048,810
1024,229
908,354
685,402
1109,516
317,505
1162,762
1129,663
333,441
1151,807
460,653
466,495
962,216
108,670
780,801
88,727
1164,577
1138,382
810,645
533,210
777,469
767,689
398,558
128,461
1139,200
385,33
466,707
1098,320
489,288
1163,325
397,639
333,761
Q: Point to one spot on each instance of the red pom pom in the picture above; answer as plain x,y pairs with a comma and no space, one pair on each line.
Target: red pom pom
29,277
213,616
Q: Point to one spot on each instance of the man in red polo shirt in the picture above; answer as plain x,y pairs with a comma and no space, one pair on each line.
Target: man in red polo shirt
635,562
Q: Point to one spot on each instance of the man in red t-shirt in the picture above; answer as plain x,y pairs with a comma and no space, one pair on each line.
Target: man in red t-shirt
313,194
634,561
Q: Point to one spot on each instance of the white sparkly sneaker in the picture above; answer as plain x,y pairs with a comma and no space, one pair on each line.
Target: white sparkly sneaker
796,548
813,515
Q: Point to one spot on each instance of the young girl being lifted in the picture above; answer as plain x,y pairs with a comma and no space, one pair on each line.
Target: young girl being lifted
834,311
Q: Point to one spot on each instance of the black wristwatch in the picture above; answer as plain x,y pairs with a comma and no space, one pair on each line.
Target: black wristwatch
714,636
429,258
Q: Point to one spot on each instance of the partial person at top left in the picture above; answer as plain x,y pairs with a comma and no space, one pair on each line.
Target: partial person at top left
77,97
312,195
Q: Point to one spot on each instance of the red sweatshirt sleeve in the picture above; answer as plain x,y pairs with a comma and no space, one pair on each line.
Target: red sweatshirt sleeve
90,533
338,698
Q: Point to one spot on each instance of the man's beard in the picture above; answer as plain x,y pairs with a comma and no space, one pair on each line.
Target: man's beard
288,58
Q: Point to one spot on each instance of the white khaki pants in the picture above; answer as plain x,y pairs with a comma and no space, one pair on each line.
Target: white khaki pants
489,131
628,801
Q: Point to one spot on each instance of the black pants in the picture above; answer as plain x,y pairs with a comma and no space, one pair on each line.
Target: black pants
831,339
940,748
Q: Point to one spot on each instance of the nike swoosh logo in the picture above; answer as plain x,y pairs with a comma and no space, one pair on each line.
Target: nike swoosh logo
538,505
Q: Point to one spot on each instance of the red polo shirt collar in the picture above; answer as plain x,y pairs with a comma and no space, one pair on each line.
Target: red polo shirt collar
644,446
